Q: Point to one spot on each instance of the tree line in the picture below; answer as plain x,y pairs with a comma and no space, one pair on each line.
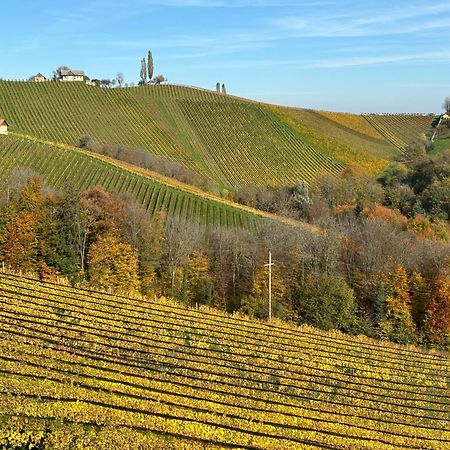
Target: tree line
364,271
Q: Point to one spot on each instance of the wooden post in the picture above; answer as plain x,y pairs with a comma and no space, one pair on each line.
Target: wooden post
270,285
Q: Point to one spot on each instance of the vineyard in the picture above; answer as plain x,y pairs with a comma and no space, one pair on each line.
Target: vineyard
63,166
401,129
230,141
84,369
349,143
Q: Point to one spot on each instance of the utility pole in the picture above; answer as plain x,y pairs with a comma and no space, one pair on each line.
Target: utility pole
270,284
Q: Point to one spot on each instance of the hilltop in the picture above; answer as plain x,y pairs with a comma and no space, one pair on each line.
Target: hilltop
86,369
231,141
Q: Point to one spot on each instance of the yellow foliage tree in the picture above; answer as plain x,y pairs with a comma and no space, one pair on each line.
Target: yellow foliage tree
260,291
437,326
398,325
199,284
113,265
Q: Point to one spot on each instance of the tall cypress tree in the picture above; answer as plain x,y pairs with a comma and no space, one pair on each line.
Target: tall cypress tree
150,65
143,71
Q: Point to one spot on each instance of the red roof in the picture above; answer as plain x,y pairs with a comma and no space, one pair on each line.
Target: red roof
3,122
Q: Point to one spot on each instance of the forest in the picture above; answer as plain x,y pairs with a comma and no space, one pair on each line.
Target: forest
375,260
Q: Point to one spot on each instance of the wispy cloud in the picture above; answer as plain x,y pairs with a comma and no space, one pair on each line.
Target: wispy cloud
365,22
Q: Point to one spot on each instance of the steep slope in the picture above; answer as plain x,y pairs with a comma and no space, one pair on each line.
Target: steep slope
83,369
342,136
231,141
62,165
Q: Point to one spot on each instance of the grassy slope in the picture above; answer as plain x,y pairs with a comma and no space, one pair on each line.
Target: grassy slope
442,143
62,164
77,358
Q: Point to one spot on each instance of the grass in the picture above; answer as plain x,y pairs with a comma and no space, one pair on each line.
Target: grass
82,366
442,143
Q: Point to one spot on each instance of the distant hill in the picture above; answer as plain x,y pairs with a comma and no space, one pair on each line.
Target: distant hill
84,369
231,141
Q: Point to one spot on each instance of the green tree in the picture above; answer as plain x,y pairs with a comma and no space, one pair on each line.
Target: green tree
326,301
150,65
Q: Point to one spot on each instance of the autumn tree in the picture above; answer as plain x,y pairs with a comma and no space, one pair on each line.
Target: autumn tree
22,229
113,265
398,325
260,295
437,320
197,286
181,239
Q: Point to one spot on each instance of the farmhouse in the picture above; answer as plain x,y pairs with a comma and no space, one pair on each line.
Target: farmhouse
3,126
38,78
71,75
446,116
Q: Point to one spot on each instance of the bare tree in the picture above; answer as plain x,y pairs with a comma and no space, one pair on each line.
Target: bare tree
181,240
120,79
159,79
446,104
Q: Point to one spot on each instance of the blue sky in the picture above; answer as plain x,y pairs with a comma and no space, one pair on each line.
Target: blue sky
358,56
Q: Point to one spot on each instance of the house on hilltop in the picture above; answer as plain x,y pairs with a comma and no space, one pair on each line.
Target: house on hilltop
38,78
3,127
71,75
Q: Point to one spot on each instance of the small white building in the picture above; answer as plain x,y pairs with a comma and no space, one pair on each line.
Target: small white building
3,127
38,78
71,75
446,116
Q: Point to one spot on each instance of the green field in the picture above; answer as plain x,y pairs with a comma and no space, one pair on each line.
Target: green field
82,369
62,166
401,129
442,142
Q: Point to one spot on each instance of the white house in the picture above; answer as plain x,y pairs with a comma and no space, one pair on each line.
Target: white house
38,78
71,75
446,116
3,126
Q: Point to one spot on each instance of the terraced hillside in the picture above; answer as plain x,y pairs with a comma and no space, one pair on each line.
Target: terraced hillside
62,165
231,141
83,369
401,129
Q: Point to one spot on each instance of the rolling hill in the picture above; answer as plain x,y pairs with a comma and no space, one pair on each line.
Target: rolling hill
84,369
231,141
